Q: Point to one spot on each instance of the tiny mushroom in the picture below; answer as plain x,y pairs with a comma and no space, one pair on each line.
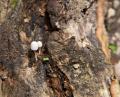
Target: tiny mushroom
34,47
39,44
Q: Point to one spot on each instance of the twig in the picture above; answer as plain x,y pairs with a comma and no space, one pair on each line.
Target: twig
115,88
101,31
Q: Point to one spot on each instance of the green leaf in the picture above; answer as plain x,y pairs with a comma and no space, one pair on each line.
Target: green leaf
46,59
13,3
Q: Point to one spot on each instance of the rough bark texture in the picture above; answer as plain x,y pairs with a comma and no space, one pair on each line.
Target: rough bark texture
67,28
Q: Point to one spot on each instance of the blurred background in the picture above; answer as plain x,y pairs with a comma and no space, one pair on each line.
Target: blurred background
112,23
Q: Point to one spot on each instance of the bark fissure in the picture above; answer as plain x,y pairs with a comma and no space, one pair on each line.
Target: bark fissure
57,80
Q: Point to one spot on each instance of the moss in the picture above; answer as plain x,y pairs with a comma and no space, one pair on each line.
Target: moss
113,47
13,3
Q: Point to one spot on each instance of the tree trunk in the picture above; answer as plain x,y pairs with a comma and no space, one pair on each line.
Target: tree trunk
76,65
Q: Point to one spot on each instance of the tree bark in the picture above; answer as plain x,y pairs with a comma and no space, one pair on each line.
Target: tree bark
76,66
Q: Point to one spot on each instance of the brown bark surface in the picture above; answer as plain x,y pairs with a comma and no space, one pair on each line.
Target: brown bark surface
76,66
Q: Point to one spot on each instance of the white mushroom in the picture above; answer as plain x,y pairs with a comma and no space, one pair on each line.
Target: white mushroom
34,46
39,44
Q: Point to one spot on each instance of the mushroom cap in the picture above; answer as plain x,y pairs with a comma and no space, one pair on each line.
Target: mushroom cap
39,44
34,46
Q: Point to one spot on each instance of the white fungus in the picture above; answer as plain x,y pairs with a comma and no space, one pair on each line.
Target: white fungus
39,44
34,45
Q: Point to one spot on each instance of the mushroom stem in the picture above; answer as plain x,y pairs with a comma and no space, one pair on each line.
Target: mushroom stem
39,51
36,56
